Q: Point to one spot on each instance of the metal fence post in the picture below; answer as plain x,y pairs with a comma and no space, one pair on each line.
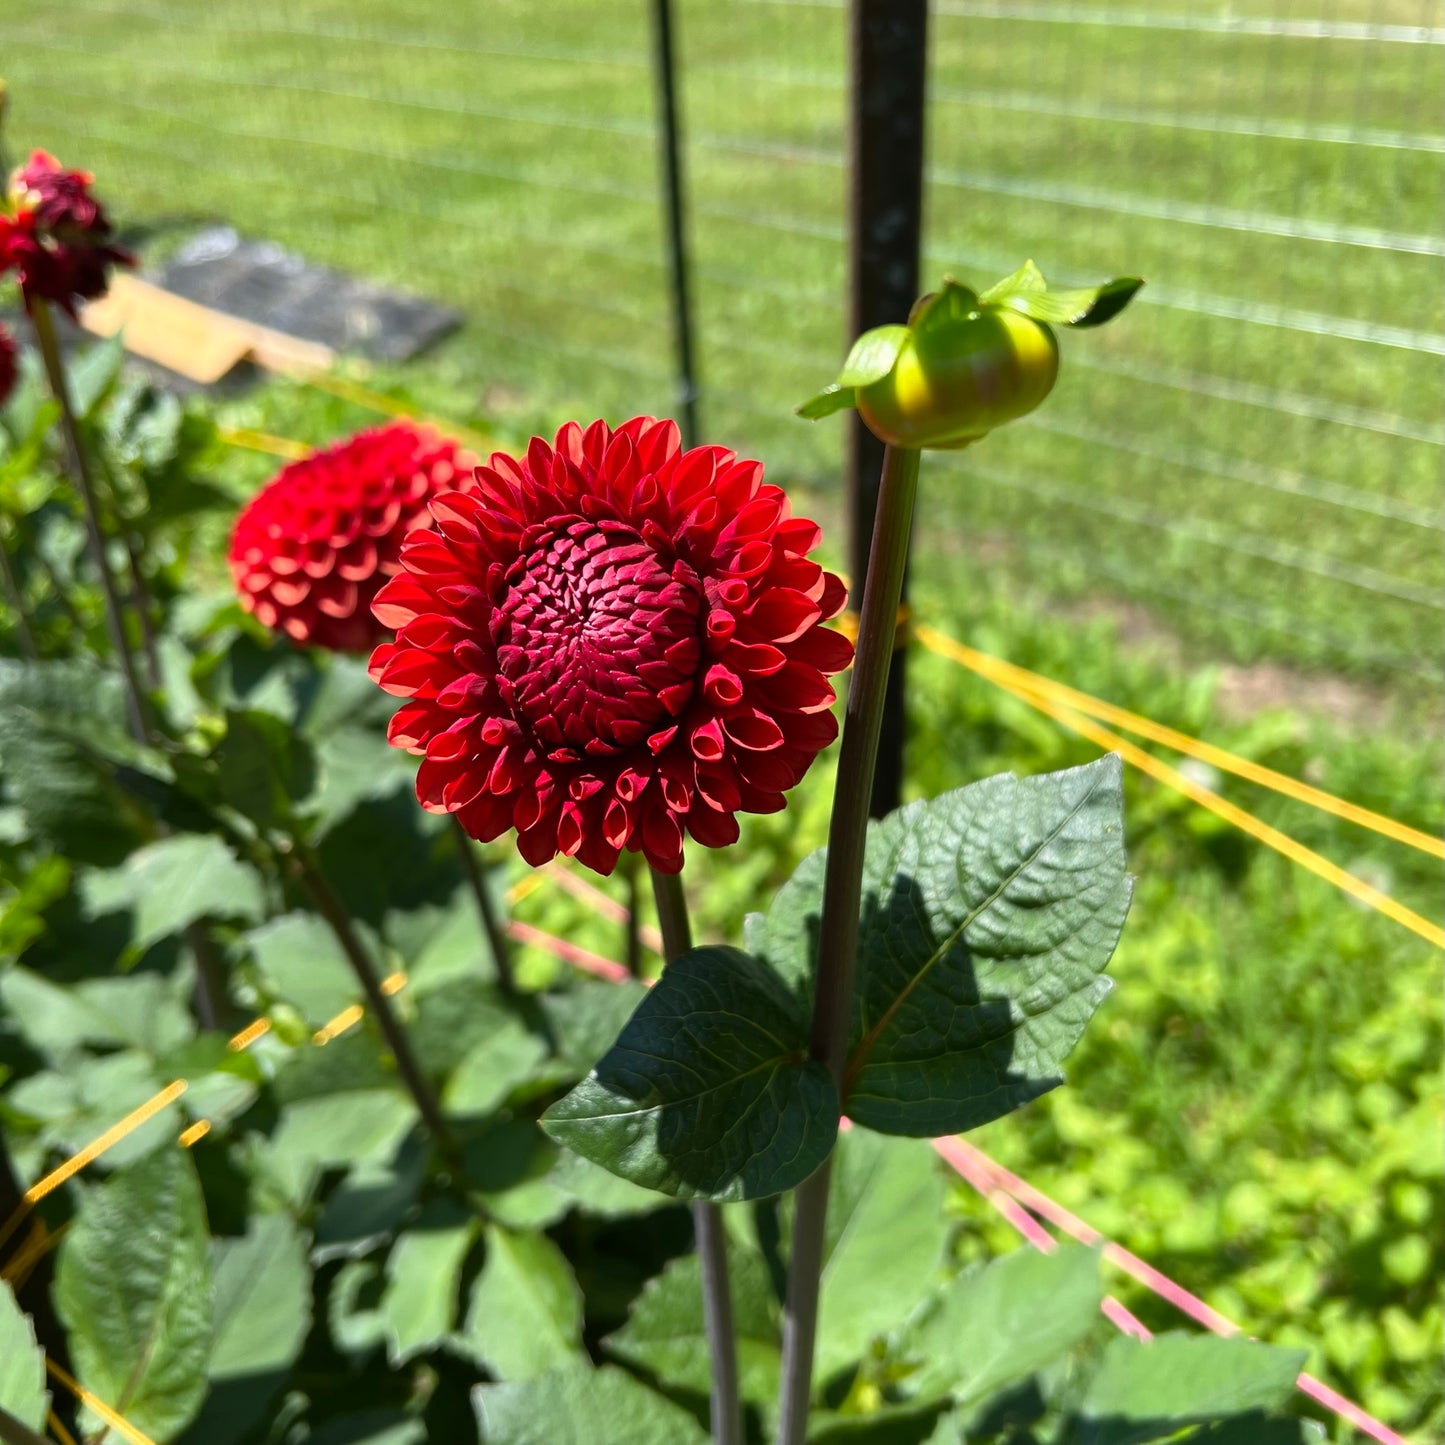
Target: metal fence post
889,58
672,184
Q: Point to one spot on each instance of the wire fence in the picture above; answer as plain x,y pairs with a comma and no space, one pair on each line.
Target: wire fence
1255,455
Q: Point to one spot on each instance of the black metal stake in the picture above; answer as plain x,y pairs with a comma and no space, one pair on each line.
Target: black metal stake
677,256
889,65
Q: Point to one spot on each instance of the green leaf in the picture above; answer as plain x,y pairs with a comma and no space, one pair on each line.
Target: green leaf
371,1427
419,1307
344,1128
870,359
133,1288
884,1242
1150,1389
832,398
1028,280
171,884
265,767
989,914
57,720
262,1317
525,1316
509,1166
302,963
586,1018
92,371
996,1325
873,356
369,1205
599,1192
1091,306
708,1093
664,1333
22,1365
497,1066
578,1405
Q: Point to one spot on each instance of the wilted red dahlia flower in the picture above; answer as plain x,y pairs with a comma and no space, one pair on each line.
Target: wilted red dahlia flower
57,236
609,642
9,365
312,548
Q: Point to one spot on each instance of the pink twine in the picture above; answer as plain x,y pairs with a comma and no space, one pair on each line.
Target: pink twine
608,908
981,1167
591,963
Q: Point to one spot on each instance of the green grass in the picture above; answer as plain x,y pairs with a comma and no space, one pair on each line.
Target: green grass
508,166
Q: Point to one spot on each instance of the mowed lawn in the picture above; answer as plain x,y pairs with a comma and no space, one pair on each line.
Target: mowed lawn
1254,453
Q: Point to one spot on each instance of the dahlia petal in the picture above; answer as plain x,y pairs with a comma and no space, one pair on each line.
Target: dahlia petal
616,823
754,659
835,596
759,518
722,687
781,615
798,535
662,840
713,830
707,741
410,727
338,601
796,687
824,649
754,731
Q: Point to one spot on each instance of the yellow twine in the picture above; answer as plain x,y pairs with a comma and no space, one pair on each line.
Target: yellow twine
113,1418
996,669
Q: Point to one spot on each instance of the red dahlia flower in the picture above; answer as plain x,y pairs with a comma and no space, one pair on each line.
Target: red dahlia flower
9,365
609,642
58,238
312,548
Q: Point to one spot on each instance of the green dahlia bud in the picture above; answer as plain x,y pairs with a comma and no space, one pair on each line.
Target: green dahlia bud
964,364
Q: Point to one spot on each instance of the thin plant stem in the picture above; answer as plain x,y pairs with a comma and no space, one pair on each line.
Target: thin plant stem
210,985
141,601
45,339
331,908
16,599
717,1303
491,924
842,897
632,927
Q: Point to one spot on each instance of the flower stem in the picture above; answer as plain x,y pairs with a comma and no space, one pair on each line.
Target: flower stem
491,925
632,928
45,339
717,1304
842,897
331,908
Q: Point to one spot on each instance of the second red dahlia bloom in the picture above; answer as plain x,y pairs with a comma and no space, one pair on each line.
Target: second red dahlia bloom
312,548
611,642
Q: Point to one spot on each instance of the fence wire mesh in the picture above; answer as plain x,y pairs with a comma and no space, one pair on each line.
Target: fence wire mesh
1255,456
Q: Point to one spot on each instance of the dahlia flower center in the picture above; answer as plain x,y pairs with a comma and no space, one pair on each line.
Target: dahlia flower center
597,637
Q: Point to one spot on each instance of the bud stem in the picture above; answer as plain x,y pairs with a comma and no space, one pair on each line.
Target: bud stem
842,896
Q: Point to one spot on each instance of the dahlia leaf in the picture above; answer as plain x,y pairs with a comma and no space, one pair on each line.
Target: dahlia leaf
133,1289
1147,1389
992,1326
832,398
1087,306
708,1092
989,915
577,1403
22,1365
664,1333
886,1236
